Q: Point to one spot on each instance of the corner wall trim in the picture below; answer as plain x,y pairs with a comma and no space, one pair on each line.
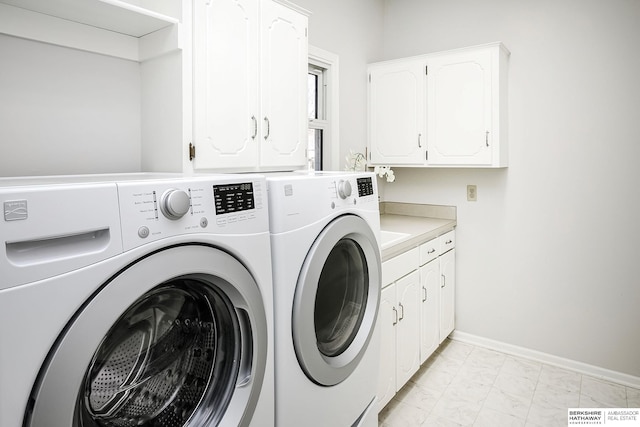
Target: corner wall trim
538,356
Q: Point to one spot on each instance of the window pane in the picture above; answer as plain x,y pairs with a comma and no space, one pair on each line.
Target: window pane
313,96
314,149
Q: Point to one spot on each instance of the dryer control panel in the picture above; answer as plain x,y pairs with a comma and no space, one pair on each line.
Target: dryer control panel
158,209
300,199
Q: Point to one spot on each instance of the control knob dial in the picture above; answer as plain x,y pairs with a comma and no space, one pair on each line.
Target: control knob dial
174,203
344,189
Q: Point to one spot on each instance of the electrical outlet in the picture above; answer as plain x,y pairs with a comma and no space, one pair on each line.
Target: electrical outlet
472,193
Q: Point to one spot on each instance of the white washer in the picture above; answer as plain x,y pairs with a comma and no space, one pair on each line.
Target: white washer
135,300
327,277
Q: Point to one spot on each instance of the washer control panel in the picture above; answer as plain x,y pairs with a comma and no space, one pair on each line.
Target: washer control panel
157,209
234,197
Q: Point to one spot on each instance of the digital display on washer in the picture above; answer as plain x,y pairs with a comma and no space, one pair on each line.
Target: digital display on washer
233,197
365,186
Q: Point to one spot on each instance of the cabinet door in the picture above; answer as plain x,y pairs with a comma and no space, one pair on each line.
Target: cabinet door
397,133
387,321
460,108
284,66
429,308
447,293
226,83
408,328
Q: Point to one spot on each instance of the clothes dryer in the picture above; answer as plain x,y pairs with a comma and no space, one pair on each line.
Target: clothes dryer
327,280
135,300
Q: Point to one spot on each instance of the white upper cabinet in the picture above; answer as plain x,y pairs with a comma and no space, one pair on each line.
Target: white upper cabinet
284,67
226,83
250,68
397,119
458,108
467,108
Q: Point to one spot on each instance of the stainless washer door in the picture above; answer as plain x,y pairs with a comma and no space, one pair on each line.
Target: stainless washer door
336,300
176,339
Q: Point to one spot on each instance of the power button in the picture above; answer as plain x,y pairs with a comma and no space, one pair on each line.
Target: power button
143,232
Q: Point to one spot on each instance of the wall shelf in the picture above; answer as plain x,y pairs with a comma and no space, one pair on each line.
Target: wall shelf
109,27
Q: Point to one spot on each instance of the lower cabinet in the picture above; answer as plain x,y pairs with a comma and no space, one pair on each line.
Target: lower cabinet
447,293
417,311
429,309
399,324
399,328
407,327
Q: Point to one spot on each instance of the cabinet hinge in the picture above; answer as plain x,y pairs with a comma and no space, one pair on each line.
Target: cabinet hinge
192,151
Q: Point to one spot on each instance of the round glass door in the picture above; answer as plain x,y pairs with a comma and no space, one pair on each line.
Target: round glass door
341,297
176,346
336,300
176,339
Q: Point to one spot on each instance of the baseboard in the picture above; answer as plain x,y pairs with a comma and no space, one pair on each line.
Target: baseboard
538,356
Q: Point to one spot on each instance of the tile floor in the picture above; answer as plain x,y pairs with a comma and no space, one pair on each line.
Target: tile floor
465,385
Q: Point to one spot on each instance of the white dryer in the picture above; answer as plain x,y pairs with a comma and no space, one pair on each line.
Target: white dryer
135,300
327,278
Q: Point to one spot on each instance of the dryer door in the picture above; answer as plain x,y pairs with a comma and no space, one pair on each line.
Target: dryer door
336,300
176,339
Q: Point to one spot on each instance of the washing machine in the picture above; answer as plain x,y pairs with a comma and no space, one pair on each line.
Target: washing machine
138,300
327,279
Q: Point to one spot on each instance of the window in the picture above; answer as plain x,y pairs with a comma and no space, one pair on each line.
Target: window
322,146
317,122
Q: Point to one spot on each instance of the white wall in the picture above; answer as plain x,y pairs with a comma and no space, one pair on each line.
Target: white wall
352,30
63,111
549,254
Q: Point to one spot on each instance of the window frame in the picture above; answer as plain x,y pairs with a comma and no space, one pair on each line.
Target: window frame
325,64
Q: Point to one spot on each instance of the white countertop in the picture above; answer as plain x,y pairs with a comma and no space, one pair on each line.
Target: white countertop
403,232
